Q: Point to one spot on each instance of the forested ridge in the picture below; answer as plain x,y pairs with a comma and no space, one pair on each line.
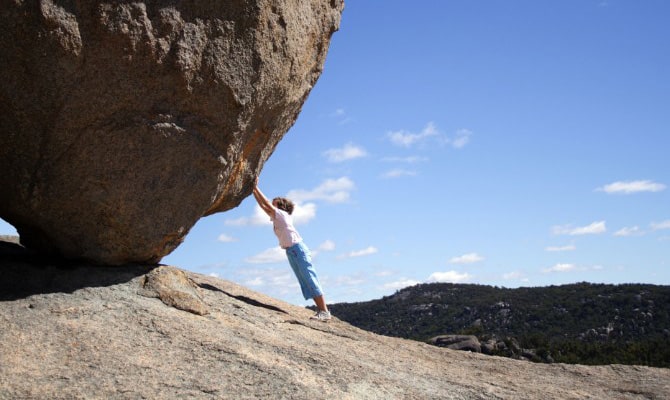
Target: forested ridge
581,323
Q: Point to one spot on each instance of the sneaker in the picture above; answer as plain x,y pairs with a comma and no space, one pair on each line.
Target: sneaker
321,316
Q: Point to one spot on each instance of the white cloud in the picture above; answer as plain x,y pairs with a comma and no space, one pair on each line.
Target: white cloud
657,226
226,238
569,247
302,214
398,173
514,275
629,187
348,280
273,281
360,253
462,138
560,268
629,231
331,190
466,259
408,160
400,284
341,115
592,229
269,256
258,218
328,245
449,276
348,152
257,281
408,139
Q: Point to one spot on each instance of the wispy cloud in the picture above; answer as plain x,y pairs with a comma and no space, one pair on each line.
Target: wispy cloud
657,226
302,214
466,259
569,247
349,280
630,187
571,268
515,275
400,284
226,238
331,191
629,231
449,276
348,152
328,245
258,218
408,139
560,268
341,115
398,173
430,132
269,256
592,229
274,281
408,160
462,138
360,253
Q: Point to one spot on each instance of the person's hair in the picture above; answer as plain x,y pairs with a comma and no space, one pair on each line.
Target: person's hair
284,204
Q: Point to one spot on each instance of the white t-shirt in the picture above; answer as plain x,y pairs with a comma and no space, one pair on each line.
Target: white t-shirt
284,229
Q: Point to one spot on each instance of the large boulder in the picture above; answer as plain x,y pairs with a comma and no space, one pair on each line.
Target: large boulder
122,123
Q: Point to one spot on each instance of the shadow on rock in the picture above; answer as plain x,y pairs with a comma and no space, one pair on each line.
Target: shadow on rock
24,273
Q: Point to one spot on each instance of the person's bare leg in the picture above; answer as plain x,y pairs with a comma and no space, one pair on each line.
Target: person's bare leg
320,302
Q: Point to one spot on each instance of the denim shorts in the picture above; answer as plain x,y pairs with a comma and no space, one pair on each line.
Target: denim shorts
301,261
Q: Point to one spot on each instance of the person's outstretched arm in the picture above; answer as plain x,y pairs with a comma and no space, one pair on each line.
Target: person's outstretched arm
263,201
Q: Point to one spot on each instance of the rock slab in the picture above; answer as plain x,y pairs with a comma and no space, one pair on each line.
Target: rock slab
122,123
84,332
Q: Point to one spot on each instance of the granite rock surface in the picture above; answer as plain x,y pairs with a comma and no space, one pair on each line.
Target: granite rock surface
87,332
124,122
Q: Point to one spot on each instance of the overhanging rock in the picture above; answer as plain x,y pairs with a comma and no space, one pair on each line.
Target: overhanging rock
122,123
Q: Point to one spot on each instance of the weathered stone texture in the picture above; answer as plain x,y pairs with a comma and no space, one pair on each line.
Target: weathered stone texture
83,332
122,123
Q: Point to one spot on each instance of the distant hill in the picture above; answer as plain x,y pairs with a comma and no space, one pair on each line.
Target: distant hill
580,323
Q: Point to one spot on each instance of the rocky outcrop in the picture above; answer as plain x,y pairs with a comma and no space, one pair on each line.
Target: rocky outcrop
457,342
78,331
122,123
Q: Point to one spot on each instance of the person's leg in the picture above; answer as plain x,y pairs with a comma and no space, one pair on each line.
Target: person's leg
301,261
295,266
320,302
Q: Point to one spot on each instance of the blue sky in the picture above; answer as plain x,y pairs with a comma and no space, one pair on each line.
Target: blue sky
509,143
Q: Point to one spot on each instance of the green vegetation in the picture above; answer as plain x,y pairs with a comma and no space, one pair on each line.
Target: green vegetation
581,323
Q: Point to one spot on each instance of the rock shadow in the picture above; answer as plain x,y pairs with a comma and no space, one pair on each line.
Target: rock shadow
244,299
24,273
